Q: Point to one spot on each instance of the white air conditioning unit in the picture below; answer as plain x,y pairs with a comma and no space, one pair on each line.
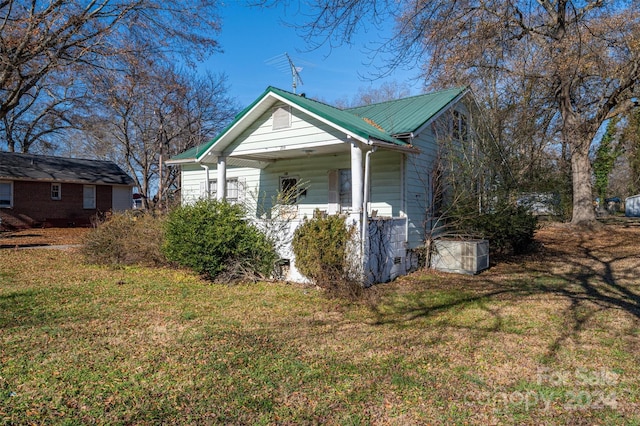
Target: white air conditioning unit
460,256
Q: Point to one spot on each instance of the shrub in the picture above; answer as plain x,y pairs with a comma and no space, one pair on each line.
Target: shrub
510,229
127,238
213,238
321,248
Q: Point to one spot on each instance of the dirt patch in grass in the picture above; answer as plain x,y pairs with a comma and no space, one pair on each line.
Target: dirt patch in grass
41,237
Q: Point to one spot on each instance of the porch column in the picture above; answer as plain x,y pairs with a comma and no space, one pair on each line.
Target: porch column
221,183
357,181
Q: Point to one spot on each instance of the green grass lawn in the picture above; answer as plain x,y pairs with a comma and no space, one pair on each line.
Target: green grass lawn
547,339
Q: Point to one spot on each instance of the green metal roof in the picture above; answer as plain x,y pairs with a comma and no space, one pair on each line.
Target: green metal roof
342,118
406,115
378,121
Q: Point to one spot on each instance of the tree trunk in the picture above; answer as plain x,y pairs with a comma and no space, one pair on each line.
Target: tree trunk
577,135
583,211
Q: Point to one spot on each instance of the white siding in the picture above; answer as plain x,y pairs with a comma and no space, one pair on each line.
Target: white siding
418,186
262,186
400,183
418,174
194,178
386,181
311,171
304,131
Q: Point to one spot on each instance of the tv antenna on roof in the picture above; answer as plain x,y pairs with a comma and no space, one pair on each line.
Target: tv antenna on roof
285,63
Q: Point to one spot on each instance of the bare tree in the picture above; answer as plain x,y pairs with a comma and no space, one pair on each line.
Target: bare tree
581,58
149,113
387,91
43,115
630,141
41,39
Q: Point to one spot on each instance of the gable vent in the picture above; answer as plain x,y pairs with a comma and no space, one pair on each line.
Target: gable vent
281,117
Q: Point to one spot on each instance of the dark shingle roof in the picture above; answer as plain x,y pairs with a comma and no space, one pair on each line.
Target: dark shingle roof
17,166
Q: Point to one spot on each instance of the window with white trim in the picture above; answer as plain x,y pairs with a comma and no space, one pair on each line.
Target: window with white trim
235,190
232,189
89,197
6,194
281,117
56,191
345,189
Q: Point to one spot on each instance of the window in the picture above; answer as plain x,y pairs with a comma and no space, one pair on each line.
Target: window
339,196
345,189
6,194
56,191
281,117
460,126
288,190
234,190
212,191
89,197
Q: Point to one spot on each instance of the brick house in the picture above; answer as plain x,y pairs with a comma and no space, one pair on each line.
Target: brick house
38,190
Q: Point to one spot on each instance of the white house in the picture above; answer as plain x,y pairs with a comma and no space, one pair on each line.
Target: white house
371,163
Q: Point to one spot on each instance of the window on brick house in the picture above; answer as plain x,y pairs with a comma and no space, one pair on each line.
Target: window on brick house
6,194
56,191
89,197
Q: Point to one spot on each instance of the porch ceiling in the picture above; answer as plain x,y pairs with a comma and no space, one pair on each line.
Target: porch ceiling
285,152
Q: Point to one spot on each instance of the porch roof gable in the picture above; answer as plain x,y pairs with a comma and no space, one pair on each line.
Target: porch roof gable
377,122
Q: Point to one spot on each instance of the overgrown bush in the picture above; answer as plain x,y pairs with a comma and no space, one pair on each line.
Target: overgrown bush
132,237
213,238
509,228
321,248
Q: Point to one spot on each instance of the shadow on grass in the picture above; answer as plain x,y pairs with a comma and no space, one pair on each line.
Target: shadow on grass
19,246
594,274
22,309
597,282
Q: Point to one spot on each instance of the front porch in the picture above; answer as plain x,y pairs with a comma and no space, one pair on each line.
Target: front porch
382,254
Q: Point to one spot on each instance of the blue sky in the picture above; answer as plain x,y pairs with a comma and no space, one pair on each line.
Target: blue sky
251,37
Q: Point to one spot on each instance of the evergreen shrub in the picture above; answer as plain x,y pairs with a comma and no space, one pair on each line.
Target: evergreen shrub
214,239
321,248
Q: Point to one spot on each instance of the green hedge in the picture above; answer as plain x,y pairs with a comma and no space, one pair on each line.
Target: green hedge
321,248
214,239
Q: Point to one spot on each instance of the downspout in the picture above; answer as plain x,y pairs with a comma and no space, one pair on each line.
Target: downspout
365,209
206,185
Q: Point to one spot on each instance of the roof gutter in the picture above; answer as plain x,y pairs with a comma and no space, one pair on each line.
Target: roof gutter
403,135
74,181
206,170
181,161
386,145
365,207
